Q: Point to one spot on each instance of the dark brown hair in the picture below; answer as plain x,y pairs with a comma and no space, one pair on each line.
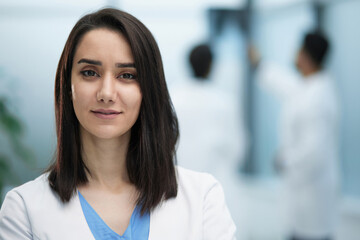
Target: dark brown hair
151,153
316,45
200,59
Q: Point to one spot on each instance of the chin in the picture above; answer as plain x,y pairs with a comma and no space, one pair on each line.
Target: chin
107,135
106,132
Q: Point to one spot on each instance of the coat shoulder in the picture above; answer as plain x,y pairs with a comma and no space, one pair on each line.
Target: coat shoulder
198,211
199,182
40,184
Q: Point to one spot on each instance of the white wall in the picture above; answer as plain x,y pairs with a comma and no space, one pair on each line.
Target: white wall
342,18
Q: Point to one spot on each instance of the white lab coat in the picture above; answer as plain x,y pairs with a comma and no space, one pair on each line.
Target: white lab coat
211,132
308,148
199,212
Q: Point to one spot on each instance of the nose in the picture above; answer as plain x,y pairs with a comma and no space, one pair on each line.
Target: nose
107,91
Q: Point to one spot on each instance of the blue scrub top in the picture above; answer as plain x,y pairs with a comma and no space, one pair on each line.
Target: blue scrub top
138,228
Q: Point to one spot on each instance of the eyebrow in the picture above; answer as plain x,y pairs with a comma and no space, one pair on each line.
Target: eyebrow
89,61
98,63
125,65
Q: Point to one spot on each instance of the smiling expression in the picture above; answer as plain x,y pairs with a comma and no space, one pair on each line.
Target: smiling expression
105,92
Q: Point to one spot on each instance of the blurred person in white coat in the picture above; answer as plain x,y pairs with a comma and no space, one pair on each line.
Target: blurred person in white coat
308,151
209,121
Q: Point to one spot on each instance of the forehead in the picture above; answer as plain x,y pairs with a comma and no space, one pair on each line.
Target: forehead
104,44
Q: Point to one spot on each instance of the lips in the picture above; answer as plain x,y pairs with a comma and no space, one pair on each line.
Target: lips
105,113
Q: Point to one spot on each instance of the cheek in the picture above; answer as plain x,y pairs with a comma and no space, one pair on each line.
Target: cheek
80,96
73,93
138,100
133,98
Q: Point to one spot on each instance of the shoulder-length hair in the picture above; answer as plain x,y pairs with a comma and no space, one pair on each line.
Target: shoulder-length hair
151,158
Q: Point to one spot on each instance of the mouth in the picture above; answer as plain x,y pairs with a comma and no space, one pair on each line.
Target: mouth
105,113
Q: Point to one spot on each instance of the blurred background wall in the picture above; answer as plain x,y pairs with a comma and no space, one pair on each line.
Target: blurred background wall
33,33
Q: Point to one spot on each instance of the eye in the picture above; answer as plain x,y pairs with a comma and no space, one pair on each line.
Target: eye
89,73
127,76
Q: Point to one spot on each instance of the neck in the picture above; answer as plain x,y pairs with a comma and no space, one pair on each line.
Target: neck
106,160
310,70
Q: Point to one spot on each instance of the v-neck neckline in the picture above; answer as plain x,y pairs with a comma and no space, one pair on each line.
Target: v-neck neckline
128,230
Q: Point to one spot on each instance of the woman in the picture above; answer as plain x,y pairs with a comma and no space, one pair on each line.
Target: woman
114,175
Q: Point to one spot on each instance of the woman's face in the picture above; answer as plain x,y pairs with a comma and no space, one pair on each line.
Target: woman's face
105,92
